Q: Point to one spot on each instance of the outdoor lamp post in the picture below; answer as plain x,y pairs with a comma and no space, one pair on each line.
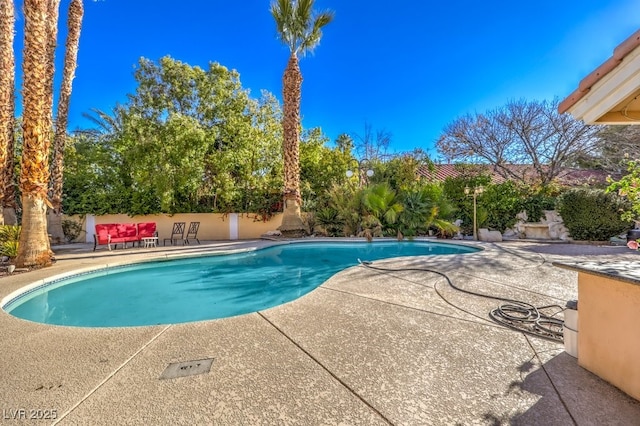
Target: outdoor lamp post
360,167
474,192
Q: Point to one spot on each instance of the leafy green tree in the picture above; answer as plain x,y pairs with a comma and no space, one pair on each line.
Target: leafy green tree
321,167
168,170
187,140
401,171
498,204
501,203
92,182
177,115
191,139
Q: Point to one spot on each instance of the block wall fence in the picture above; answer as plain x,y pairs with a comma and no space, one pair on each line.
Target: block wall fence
213,226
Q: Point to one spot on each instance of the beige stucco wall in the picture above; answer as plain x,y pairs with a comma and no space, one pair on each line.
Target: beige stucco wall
251,226
609,330
213,226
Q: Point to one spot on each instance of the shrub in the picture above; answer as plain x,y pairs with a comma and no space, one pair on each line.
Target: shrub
425,207
347,202
9,236
629,187
462,204
535,204
382,208
499,204
9,249
592,214
71,229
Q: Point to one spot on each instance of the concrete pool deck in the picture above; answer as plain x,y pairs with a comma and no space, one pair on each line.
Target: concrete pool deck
364,348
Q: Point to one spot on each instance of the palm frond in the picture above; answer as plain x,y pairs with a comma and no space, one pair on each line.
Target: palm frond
9,249
297,25
445,226
9,233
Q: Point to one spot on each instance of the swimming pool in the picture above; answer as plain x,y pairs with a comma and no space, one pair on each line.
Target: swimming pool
202,288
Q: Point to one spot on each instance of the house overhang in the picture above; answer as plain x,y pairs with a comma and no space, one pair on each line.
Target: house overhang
611,93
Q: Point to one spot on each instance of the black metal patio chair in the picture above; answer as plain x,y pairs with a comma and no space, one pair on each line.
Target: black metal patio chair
177,233
192,233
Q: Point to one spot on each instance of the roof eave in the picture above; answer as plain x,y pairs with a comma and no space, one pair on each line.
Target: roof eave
604,89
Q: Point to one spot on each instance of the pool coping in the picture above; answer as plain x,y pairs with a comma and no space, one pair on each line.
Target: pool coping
29,289
40,284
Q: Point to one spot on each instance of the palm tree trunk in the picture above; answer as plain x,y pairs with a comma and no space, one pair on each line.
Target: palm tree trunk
292,224
33,249
74,22
7,111
53,9
9,178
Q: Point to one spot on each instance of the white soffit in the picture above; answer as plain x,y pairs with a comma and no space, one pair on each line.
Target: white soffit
611,90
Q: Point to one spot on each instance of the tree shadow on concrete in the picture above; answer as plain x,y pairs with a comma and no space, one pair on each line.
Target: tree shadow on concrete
570,395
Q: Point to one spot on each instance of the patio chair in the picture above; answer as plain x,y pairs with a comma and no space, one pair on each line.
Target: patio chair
177,233
192,233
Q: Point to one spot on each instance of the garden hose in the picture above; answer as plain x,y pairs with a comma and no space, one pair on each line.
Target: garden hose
514,314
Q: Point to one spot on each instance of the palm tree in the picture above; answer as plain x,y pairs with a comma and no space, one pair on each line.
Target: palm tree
7,111
347,202
383,209
300,29
105,125
53,8
34,249
74,23
426,207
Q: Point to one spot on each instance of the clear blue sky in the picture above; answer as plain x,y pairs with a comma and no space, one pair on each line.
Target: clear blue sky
405,66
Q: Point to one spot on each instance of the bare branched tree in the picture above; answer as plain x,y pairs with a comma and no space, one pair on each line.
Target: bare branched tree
616,146
522,132
373,144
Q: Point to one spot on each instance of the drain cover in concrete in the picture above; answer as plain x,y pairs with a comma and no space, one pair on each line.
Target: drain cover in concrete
187,368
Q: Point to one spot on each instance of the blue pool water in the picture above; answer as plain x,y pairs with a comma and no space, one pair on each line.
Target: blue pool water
201,288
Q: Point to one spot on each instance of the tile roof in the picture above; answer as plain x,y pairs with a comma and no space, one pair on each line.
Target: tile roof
596,75
567,177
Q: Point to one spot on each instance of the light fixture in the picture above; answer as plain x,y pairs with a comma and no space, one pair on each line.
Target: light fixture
360,168
475,192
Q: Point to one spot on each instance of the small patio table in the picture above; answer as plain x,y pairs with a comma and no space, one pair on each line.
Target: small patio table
149,242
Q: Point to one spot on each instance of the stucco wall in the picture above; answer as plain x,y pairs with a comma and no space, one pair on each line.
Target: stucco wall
213,226
250,226
609,330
